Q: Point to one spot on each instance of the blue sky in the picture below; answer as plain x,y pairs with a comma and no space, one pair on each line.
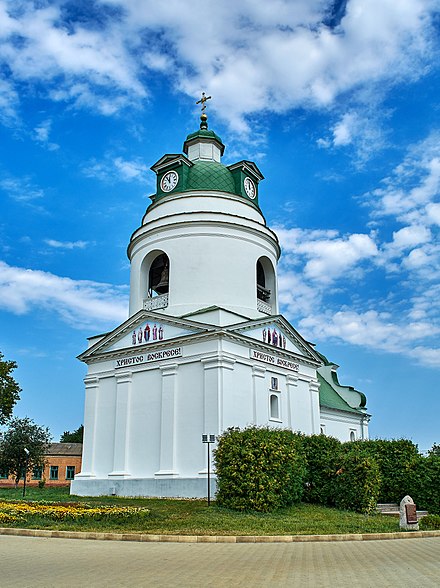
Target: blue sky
336,102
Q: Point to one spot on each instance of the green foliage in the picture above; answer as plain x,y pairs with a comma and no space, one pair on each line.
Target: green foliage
9,389
357,483
42,483
430,522
435,449
259,469
321,453
21,434
427,488
73,436
398,461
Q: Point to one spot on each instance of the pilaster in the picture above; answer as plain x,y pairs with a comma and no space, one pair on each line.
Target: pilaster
90,418
168,421
291,384
122,423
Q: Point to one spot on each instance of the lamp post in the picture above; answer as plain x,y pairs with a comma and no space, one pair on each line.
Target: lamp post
208,439
26,451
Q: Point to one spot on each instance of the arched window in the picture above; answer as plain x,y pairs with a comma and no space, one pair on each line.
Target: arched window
266,286
263,293
274,406
352,436
158,276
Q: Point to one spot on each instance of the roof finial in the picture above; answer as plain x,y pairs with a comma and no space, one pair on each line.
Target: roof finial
203,117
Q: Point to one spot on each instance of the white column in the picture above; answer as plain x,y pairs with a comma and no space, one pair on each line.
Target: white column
260,395
122,423
292,383
216,379
314,406
168,421
90,416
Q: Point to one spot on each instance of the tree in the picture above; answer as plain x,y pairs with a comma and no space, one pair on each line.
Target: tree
21,434
9,389
74,436
435,449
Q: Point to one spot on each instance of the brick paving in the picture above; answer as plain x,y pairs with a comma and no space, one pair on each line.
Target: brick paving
48,562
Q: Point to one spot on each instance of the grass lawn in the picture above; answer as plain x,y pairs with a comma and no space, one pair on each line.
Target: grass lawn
194,517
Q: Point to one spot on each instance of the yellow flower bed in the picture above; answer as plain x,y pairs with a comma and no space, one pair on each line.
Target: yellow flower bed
57,511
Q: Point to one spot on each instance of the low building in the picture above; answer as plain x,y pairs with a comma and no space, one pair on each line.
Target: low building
63,461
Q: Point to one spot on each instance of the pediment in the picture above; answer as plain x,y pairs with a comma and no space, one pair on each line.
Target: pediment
277,333
142,330
170,159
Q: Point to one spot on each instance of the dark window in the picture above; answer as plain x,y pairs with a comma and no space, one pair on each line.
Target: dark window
70,472
54,472
37,473
158,279
274,383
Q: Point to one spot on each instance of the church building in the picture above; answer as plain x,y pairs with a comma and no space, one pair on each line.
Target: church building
204,347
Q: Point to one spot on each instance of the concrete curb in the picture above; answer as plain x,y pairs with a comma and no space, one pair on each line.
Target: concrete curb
139,537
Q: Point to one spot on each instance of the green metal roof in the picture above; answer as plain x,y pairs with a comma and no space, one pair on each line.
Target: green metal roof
210,175
329,398
204,133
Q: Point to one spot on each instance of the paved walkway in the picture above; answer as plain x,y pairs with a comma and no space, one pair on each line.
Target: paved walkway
31,562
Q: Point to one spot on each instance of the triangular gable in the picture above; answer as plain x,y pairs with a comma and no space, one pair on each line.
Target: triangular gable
279,334
248,166
169,159
144,329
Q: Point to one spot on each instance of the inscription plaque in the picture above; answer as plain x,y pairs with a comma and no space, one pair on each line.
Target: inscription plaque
411,513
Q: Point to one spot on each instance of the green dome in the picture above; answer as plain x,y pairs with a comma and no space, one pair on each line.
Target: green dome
210,175
204,133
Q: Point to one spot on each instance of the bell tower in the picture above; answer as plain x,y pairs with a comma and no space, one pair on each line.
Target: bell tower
203,242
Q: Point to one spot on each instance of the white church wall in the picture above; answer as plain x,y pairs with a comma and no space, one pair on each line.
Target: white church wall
104,427
145,412
341,425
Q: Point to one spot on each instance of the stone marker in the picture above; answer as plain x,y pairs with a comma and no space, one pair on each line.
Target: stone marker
408,514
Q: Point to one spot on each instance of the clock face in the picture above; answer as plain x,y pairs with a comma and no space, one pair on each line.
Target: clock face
249,188
169,181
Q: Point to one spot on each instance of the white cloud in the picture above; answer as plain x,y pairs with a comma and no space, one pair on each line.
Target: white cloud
360,130
374,330
131,170
409,192
21,189
117,167
66,244
41,135
325,254
253,57
81,303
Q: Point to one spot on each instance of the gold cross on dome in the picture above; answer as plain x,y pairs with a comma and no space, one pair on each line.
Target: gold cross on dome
202,100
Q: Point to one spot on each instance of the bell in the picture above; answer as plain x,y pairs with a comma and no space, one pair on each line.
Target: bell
162,286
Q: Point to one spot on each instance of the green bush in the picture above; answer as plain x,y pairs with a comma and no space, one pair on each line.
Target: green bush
398,461
321,454
259,469
427,488
430,523
357,483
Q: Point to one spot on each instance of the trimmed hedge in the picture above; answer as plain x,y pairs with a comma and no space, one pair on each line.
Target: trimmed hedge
322,456
262,469
358,482
259,469
398,461
427,491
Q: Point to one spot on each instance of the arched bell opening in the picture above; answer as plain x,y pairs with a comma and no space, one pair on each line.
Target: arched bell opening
154,279
265,275
263,293
159,276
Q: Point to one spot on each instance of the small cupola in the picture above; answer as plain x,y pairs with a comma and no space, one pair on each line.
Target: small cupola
203,145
